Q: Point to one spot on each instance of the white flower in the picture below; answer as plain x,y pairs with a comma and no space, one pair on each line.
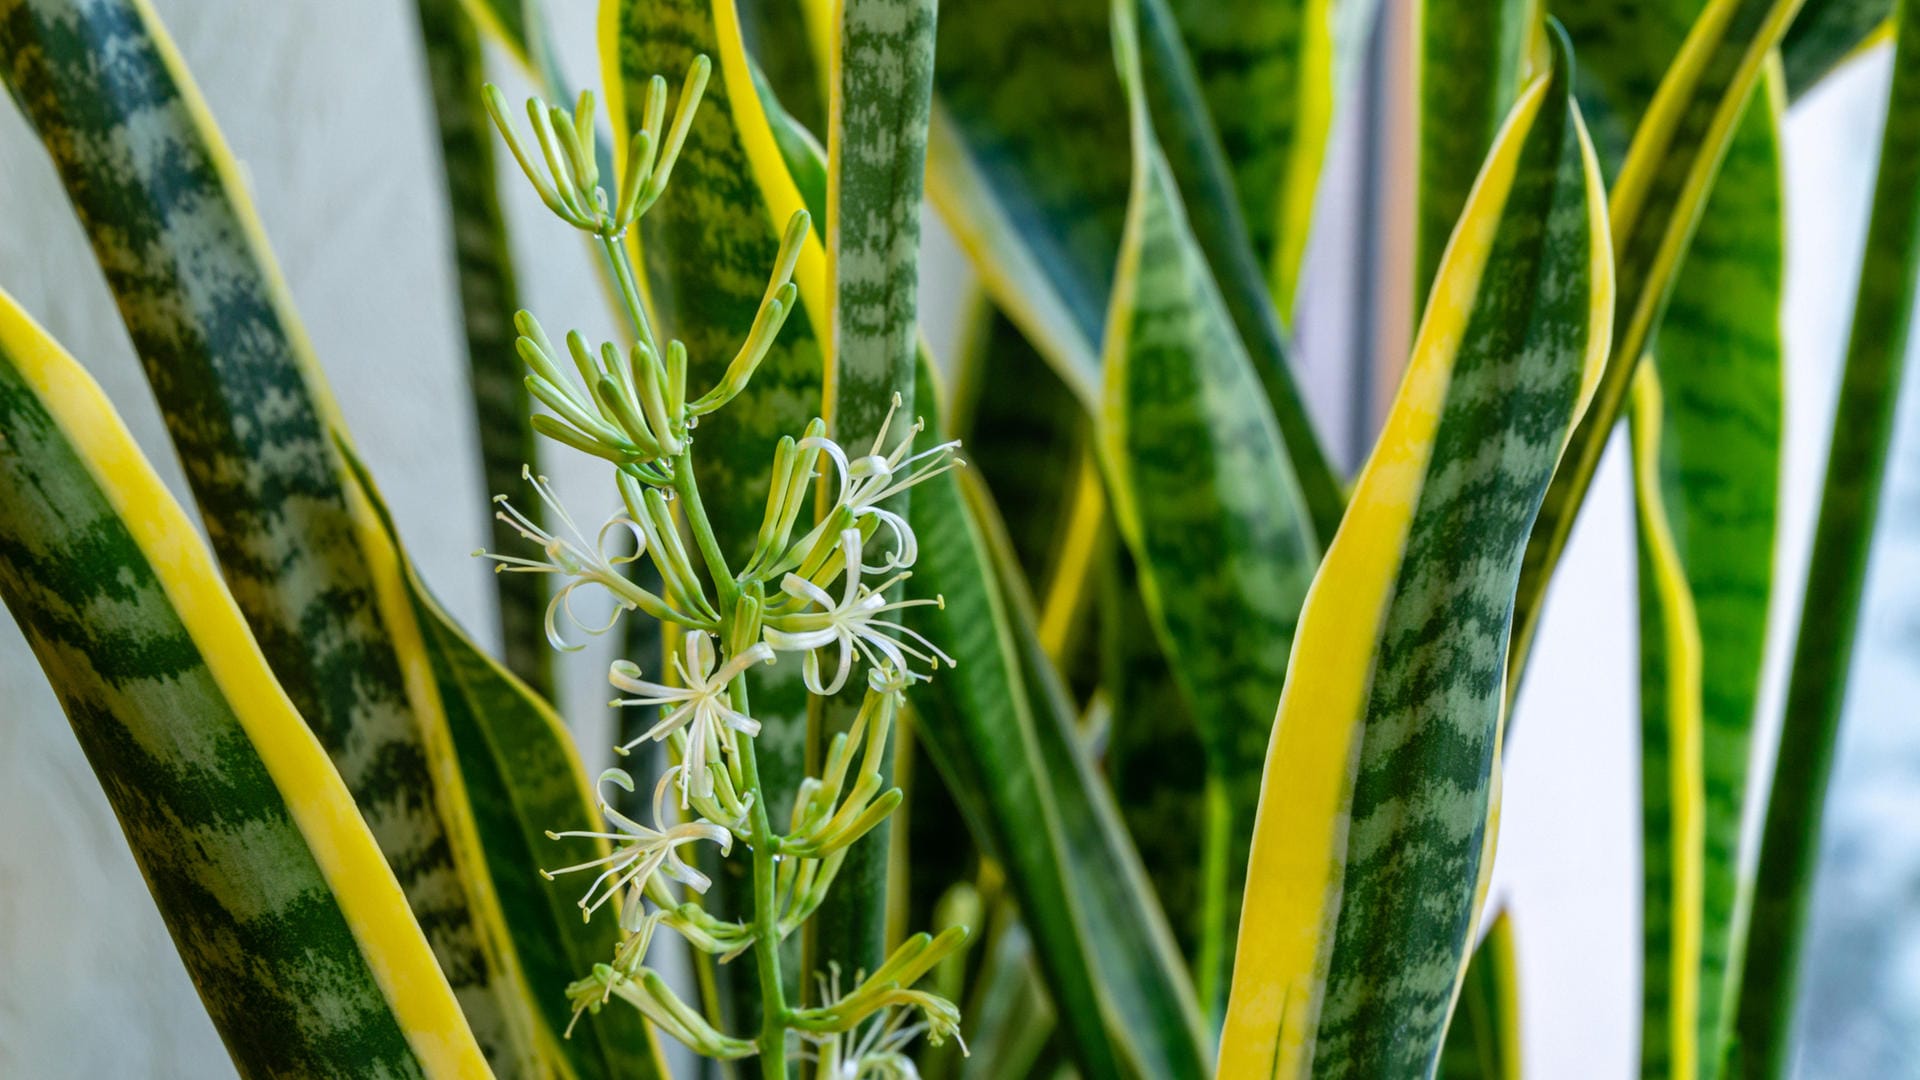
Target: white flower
640,852
702,705
571,556
866,482
855,623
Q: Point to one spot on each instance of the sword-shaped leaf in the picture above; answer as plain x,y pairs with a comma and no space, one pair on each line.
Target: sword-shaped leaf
1001,732
321,582
1475,56
1836,575
1266,71
1207,501
1716,432
1381,794
1655,203
483,269
881,69
1826,33
1483,1042
296,934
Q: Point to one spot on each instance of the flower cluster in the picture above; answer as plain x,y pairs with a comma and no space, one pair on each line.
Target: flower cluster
825,587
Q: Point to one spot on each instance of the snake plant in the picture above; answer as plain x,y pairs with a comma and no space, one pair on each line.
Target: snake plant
1076,647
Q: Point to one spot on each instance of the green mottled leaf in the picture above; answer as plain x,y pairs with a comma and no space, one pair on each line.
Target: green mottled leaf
1655,204
1200,171
1266,72
321,582
1719,361
1827,32
162,203
1483,1042
483,269
1000,730
297,936
877,156
1473,61
1022,165
1208,504
1009,1018
1376,823
1849,505
777,38
522,777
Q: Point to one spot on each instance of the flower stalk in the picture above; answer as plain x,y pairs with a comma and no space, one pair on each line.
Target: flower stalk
820,594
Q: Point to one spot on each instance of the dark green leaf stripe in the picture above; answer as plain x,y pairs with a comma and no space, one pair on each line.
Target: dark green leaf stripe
1849,504
1473,61
1023,166
247,410
483,269
248,840
1207,502
520,774
1827,32
1483,1042
1007,749
1382,770
876,161
1266,71
1656,202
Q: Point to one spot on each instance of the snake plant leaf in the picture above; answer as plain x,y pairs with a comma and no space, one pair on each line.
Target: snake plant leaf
1266,71
1836,575
1378,816
1001,732
1719,358
296,934
1027,436
1656,201
706,249
777,34
1174,100
1483,1042
881,68
1206,499
322,583
483,269
1021,165
519,772
1673,798
1474,58
1009,1018
248,411
1826,33
1715,481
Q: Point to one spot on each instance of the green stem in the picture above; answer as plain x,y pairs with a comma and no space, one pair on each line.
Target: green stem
616,253
695,512
766,916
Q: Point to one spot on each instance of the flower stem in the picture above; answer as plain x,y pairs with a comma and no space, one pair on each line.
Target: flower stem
695,512
616,253
766,916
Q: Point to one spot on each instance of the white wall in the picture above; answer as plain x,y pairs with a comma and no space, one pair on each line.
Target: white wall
325,103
